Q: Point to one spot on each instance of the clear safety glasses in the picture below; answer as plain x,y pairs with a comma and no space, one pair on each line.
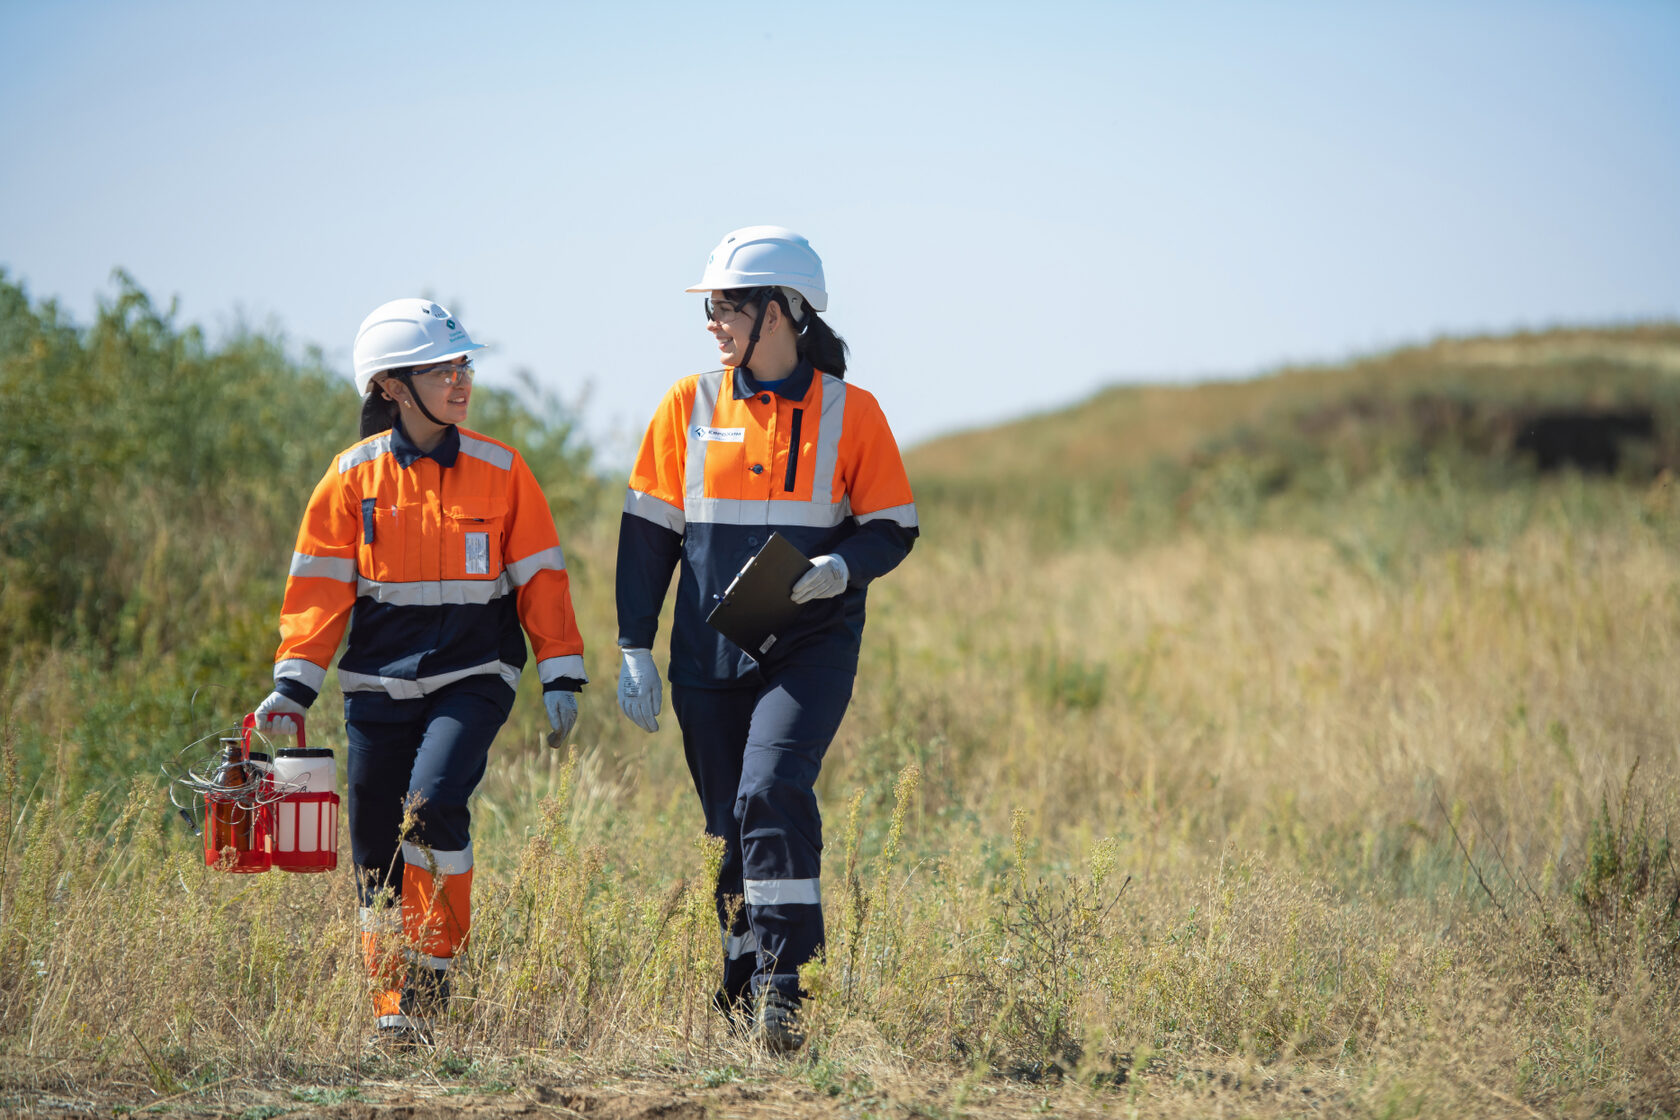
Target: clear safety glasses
450,373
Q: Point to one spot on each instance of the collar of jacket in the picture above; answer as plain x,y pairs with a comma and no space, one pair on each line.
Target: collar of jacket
793,387
444,453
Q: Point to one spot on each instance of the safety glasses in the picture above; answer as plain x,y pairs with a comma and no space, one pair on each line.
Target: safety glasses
719,310
450,373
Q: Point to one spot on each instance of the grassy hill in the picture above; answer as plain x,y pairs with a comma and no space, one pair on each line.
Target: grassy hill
1380,454
1127,427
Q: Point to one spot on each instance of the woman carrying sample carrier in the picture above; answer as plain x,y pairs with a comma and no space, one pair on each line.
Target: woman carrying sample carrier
436,546
775,442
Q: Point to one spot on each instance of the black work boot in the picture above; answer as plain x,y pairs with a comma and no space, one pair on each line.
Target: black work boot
776,1026
414,1034
425,1001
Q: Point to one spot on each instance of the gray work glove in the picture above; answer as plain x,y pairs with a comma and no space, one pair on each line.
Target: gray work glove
562,714
826,579
640,694
274,715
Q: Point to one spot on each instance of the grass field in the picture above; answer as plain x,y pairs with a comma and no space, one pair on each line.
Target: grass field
1173,786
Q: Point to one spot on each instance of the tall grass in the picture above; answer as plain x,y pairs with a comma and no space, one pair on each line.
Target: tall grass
1367,813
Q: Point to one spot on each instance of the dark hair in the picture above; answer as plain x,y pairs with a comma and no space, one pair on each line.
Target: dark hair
818,344
379,412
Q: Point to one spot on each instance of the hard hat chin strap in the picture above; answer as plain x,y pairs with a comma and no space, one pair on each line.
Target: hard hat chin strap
407,379
758,326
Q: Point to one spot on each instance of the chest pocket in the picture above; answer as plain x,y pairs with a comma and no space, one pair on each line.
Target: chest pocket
387,548
472,542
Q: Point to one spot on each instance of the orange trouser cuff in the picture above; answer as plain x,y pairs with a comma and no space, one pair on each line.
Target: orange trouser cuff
436,910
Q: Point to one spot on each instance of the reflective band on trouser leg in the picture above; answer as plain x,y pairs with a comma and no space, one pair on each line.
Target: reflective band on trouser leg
784,892
436,912
739,945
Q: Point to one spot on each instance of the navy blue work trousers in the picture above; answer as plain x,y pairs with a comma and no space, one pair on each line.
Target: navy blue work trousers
755,753
433,749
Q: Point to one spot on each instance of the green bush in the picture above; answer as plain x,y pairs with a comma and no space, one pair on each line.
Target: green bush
151,484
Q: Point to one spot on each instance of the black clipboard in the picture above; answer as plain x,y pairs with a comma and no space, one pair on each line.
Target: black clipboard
755,608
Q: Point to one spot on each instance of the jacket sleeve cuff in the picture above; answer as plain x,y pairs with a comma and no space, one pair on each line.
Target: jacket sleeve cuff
295,690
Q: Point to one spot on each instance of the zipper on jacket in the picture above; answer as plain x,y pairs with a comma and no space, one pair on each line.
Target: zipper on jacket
793,451
370,506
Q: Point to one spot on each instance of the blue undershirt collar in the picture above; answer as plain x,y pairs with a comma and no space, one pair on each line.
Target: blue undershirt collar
793,387
408,454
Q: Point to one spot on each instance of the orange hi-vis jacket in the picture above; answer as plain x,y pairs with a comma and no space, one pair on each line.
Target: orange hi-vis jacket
435,560
726,462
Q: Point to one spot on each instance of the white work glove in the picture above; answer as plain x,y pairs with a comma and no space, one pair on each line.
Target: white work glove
562,714
274,715
826,579
639,692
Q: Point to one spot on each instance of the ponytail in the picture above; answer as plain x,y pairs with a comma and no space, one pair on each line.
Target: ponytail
819,345
379,412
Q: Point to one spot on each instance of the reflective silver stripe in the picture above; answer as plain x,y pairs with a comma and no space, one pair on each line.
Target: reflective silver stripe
304,672
656,510
494,454
381,919
415,956
408,1022
431,860
784,892
435,592
399,689
553,668
904,515
706,391
365,453
341,568
827,459
759,511
821,512
548,560
734,948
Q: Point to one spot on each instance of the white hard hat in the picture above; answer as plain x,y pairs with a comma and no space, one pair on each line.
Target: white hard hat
407,332
766,257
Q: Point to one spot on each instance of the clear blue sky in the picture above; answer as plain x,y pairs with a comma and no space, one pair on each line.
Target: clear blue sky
1016,203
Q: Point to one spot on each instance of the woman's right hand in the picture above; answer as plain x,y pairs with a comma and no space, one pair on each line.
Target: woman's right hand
640,695
273,715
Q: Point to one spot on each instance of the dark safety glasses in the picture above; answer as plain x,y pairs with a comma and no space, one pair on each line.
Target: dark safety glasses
718,310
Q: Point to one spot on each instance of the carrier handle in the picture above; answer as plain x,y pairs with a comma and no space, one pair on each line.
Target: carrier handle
250,724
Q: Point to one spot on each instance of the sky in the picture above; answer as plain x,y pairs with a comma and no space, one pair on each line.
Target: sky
1015,204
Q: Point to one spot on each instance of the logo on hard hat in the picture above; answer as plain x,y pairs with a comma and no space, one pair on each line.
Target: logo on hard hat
450,323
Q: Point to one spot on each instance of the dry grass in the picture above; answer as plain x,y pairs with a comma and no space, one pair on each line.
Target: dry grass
1231,822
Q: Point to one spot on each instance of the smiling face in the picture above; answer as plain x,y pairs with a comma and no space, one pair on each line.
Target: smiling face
731,325
731,322
445,389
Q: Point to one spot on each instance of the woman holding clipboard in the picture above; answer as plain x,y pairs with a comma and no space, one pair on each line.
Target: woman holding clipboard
777,441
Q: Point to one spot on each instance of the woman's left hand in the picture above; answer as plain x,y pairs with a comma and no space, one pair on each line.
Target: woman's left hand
826,579
562,714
